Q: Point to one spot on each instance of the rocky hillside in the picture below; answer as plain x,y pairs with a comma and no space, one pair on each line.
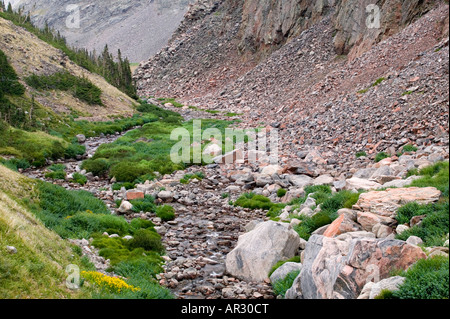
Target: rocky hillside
328,82
138,28
29,55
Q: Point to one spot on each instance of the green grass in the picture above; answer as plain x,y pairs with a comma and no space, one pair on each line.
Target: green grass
147,204
139,154
166,212
295,259
329,203
435,226
381,156
409,149
281,286
189,177
376,83
361,154
426,279
79,179
253,201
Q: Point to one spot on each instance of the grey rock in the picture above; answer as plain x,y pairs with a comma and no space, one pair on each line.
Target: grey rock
260,249
11,249
284,270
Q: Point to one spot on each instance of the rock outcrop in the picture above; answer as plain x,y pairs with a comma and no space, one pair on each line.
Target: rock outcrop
339,268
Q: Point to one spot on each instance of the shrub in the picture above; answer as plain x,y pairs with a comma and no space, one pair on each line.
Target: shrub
61,175
98,166
80,179
147,204
381,156
253,201
361,154
427,279
9,83
73,150
127,172
166,212
146,239
281,192
409,148
104,282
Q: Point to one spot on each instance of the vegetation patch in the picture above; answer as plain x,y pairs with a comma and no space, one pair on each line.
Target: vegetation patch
381,156
426,279
80,88
280,287
435,225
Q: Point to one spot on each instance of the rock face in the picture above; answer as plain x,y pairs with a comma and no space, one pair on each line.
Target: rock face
336,268
260,249
270,23
357,32
113,23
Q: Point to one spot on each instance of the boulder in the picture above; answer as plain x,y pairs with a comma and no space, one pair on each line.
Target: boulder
386,203
263,180
300,180
371,290
369,220
81,138
414,240
134,194
166,196
356,183
260,249
339,269
343,224
212,150
271,169
400,183
125,207
323,180
284,270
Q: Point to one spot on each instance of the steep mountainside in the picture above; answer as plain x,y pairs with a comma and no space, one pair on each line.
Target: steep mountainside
335,84
29,55
138,28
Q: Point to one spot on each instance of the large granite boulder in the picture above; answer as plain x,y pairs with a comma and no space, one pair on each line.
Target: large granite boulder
260,249
339,268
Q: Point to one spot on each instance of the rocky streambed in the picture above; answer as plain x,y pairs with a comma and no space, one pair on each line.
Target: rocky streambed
205,230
